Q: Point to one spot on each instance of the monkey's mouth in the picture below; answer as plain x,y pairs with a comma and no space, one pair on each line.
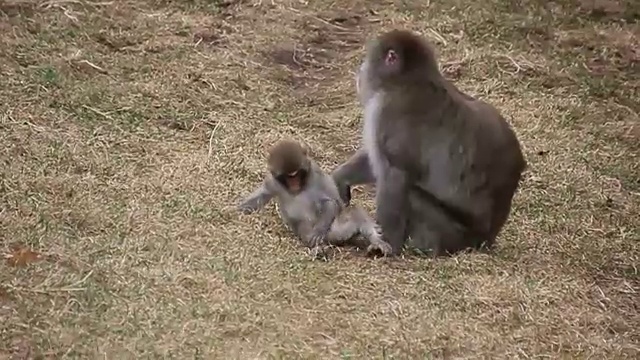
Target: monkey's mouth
293,181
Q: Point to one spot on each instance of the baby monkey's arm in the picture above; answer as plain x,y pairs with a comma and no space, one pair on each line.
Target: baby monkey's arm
257,199
328,211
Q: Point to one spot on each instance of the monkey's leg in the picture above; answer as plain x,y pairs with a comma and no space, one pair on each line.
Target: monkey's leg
501,211
343,229
370,231
392,208
432,232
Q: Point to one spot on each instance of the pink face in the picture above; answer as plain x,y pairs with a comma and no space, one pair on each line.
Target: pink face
391,59
293,182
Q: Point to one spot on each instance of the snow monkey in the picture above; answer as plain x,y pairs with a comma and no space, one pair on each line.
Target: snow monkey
445,165
309,203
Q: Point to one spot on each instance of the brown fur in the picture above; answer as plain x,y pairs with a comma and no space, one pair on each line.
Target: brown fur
287,156
416,58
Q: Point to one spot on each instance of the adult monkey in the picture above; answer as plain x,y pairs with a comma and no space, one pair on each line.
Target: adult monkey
446,165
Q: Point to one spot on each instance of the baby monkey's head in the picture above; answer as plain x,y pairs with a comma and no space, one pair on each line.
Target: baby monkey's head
289,165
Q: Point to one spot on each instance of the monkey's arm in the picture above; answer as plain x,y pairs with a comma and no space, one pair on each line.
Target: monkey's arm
328,211
391,207
256,200
354,171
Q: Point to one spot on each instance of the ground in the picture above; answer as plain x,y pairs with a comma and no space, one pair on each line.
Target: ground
129,129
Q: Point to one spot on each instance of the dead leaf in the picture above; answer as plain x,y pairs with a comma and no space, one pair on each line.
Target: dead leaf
22,256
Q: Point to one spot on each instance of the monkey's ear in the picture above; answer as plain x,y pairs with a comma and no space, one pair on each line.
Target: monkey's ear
305,149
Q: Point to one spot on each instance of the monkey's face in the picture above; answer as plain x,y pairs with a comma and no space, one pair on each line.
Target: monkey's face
289,166
292,174
293,181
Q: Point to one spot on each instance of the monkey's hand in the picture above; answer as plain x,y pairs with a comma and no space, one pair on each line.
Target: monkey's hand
319,234
250,205
329,209
256,200
245,208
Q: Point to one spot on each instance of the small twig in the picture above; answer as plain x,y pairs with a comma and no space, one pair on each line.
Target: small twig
518,67
213,132
630,110
51,290
522,66
317,18
98,112
96,67
293,57
67,13
81,281
452,63
209,123
438,36
27,122
51,3
630,290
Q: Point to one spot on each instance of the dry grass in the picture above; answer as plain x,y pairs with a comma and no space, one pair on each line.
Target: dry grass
129,127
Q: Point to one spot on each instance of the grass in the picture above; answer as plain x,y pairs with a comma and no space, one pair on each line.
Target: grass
127,135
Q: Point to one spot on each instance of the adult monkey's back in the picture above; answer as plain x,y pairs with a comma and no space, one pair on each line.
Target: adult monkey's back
446,165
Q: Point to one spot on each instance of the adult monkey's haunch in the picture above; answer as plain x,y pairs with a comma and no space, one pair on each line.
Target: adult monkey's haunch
446,165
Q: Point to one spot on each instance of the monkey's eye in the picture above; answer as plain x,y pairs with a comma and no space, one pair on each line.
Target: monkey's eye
293,174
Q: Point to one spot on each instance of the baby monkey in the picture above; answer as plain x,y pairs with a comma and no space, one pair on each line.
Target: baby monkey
310,205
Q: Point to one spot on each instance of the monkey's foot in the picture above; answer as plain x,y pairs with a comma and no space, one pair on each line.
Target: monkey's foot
319,253
379,248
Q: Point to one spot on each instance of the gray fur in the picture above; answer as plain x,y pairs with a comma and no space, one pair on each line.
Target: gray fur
317,215
446,165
